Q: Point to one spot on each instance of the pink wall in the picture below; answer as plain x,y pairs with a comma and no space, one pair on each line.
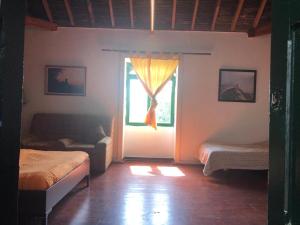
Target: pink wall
200,116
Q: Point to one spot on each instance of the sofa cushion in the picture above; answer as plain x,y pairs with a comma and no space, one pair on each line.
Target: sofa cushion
93,135
52,126
44,145
66,141
80,147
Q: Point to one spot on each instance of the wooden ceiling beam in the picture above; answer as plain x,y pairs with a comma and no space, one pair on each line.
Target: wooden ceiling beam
69,12
111,13
216,14
237,15
152,13
174,14
43,24
91,12
195,14
47,10
259,13
131,13
259,31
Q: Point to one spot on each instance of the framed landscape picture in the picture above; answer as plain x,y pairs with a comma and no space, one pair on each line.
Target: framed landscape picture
65,80
237,85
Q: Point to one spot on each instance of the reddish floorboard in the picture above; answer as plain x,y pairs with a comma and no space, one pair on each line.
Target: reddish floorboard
118,197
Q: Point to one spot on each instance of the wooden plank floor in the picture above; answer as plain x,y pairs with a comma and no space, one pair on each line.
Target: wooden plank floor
141,193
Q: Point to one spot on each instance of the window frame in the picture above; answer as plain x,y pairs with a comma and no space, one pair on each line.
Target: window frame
130,77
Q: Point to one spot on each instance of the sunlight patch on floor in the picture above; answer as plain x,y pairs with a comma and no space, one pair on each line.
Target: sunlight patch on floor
134,208
141,170
170,171
167,171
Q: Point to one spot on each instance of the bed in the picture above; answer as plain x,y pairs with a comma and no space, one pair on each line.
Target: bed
215,156
45,177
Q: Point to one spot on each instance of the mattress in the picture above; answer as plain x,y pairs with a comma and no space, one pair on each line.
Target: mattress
216,156
39,170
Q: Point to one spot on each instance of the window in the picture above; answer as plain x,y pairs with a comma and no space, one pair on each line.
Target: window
138,102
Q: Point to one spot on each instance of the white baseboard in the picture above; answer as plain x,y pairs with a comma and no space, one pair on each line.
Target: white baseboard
188,162
181,162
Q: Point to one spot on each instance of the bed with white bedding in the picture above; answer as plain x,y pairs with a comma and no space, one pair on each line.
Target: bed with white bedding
215,156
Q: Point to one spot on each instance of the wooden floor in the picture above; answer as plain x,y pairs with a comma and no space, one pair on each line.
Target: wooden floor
141,193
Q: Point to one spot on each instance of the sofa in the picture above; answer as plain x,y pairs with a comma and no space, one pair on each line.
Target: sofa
73,132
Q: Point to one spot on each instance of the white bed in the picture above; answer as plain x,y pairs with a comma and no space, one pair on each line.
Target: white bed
216,156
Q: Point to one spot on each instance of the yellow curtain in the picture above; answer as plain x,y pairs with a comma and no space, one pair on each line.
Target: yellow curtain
154,74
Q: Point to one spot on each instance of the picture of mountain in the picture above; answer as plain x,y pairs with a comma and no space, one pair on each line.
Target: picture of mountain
237,85
63,80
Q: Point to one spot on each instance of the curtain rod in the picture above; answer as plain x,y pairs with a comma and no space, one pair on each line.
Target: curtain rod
154,52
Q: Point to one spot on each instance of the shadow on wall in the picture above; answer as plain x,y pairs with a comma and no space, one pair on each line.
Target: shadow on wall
227,132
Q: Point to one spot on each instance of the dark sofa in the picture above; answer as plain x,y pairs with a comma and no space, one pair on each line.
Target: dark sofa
73,132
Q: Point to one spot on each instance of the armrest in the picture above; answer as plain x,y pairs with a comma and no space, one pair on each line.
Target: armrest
106,140
103,151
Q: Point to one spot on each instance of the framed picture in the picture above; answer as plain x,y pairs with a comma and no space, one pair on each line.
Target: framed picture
237,85
65,80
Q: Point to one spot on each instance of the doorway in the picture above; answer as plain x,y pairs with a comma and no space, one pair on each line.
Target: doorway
285,14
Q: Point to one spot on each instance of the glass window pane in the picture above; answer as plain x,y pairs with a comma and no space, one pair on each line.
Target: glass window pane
138,102
164,99
130,69
132,72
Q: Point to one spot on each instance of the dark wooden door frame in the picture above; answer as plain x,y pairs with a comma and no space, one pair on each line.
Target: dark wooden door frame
12,14
284,126
293,202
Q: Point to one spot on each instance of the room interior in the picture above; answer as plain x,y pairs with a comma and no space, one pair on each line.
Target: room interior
104,92
206,37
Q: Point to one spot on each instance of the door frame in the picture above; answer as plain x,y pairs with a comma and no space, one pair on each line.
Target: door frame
12,19
283,140
283,15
